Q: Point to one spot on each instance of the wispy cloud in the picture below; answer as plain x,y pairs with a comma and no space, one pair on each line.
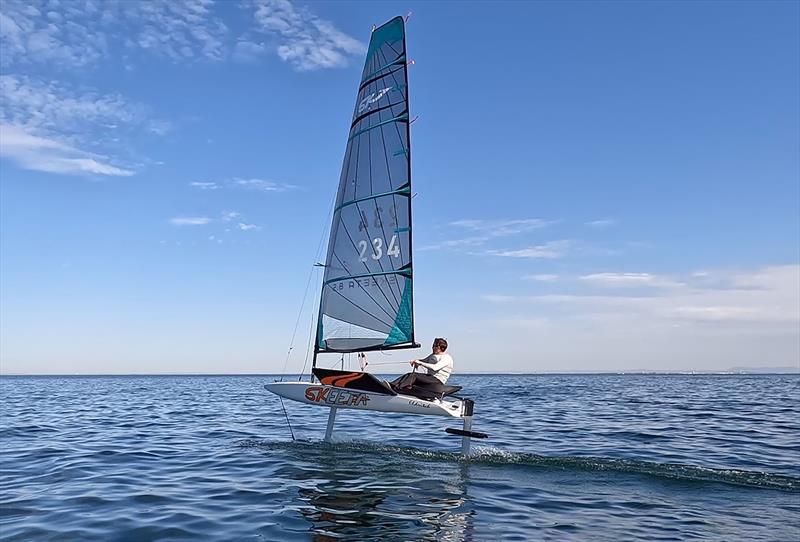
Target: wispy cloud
258,185
229,219
482,231
190,220
541,278
601,223
721,313
459,243
248,49
159,127
501,228
51,156
503,298
56,107
262,185
203,185
627,280
548,250
82,32
305,41
177,30
58,128
65,35
767,295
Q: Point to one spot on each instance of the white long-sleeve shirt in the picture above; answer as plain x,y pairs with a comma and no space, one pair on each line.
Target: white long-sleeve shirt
439,366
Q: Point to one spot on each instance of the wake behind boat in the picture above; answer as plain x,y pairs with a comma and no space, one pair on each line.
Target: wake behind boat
367,301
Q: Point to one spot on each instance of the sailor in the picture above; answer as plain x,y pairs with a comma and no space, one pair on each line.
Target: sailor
439,365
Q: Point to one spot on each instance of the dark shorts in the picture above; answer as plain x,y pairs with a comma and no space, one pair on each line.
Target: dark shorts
410,379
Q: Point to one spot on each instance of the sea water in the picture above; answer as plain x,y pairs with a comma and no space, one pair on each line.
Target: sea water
570,457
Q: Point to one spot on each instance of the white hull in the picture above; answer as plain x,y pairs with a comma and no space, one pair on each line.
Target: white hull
333,396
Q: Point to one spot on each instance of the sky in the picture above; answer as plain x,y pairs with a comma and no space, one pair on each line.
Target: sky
600,186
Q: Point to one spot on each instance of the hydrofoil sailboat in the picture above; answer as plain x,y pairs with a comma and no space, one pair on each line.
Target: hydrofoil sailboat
367,290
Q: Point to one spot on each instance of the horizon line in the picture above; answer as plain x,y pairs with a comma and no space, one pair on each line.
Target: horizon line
732,371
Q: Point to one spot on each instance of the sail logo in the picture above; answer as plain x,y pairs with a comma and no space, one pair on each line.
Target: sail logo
371,99
368,282
335,397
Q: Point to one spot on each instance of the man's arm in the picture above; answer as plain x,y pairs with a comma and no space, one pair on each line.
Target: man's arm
424,362
433,366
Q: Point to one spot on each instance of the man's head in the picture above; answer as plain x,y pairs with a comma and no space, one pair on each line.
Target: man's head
439,345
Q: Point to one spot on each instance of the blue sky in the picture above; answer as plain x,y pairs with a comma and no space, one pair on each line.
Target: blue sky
600,186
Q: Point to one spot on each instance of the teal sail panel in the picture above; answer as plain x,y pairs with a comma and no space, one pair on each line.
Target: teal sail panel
367,301
403,328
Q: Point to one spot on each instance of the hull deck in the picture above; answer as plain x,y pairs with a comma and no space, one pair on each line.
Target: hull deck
340,397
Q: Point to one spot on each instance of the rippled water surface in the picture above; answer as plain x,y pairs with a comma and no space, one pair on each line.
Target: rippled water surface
584,457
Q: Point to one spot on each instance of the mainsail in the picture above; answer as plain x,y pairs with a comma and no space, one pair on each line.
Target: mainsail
367,301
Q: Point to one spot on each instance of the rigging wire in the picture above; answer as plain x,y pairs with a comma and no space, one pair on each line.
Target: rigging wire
310,336
325,227
297,322
287,418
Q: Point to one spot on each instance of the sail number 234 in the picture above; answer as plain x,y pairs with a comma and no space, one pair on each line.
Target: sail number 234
377,249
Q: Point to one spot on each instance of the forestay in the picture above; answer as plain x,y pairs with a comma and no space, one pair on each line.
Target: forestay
367,301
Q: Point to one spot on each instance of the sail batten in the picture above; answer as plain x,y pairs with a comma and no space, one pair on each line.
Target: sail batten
372,112
400,118
403,190
367,296
395,66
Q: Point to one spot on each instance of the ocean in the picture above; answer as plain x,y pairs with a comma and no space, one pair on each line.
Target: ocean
570,457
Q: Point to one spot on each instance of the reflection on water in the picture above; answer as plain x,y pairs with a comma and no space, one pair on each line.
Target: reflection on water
342,498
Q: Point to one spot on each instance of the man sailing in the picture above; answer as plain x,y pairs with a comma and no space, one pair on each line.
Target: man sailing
439,365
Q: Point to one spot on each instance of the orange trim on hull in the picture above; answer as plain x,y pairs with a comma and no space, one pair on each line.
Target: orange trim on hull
332,379
340,381
343,381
